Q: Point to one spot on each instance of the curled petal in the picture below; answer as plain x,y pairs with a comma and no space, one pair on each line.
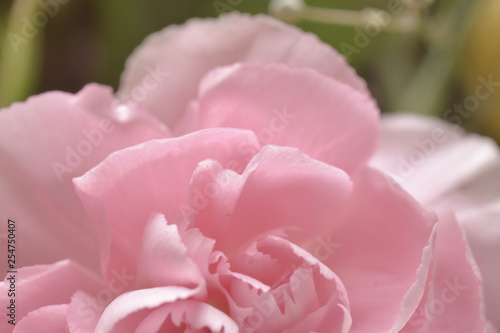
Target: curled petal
48,319
123,191
464,170
453,300
194,316
46,141
282,189
284,106
163,259
174,60
286,288
128,309
385,240
45,285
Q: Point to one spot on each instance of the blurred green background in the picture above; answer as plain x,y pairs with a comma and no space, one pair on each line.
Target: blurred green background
426,70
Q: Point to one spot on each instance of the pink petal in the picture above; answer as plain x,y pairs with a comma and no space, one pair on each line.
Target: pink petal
483,189
234,292
300,108
214,192
383,253
417,150
482,228
282,188
84,311
490,328
477,207
189,51
35,178
123,191
163,259
49,319
304,294
126,305
197,315
332,317
43,285
454,302
199,248
465,174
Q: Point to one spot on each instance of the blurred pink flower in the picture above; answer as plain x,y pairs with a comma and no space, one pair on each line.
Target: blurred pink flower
240,193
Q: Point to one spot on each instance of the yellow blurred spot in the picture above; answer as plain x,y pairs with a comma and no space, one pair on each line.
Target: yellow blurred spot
481,57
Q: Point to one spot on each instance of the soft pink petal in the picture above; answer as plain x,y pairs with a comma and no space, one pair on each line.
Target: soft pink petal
232,291
163,260
332,317
43,285
214,192
189,51
303,292
417,150
464,171
384,245
126,305
123,191
85,310
300,108
481,190
295,300
454,303
490,328
476,204
196,315
199,248
282,188
482,229
49,319
35,179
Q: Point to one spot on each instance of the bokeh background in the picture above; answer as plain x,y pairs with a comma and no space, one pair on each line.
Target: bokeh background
426,70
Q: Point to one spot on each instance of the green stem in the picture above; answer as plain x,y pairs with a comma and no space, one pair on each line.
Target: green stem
429,89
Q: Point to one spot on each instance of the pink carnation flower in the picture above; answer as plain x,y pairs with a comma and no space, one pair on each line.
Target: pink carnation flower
238,184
